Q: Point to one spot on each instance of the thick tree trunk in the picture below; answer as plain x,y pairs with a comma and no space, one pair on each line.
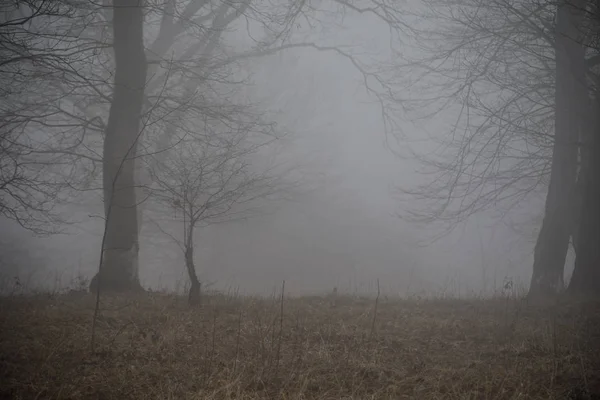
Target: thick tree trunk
590,127
586,275
119,271
553,240
577,206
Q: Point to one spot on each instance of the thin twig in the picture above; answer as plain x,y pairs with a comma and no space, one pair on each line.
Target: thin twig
280,328
237,341
375,310
212,350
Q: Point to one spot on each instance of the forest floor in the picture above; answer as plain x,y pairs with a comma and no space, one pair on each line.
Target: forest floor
155,347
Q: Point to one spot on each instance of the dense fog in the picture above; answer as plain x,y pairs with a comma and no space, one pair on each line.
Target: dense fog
341,227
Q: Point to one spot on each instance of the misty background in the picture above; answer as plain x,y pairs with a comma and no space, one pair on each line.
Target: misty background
345,231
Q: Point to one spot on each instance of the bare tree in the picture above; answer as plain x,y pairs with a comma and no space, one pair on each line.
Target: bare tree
499,65
188,61
119,270
497,149
32,179
188,52
211,178
570,99
586,275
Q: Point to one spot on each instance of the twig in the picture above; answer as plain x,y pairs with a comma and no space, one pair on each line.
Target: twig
212,350
280,328
272,326
237,341
297,345
99,276
375,311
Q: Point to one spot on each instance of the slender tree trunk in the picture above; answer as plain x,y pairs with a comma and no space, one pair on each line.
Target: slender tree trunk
586,275
553,240
194,297
119,271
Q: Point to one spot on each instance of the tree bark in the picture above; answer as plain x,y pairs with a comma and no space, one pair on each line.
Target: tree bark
119,271
553,240
590,127
577,206
586,275
194,297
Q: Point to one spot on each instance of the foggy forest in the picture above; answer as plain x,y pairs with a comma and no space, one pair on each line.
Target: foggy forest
300,199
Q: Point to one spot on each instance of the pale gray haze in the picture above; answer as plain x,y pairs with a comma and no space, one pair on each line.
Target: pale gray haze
342,224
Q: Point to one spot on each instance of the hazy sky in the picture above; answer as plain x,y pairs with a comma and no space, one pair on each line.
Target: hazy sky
346,234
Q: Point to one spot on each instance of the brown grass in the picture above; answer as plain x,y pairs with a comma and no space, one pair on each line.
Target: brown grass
155,347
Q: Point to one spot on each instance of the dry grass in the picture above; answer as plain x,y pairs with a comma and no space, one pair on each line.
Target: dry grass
154,347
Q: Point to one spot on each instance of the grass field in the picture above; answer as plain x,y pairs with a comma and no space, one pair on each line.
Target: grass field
154,347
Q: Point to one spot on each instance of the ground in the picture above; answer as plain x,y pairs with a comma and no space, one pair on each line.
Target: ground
153,346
